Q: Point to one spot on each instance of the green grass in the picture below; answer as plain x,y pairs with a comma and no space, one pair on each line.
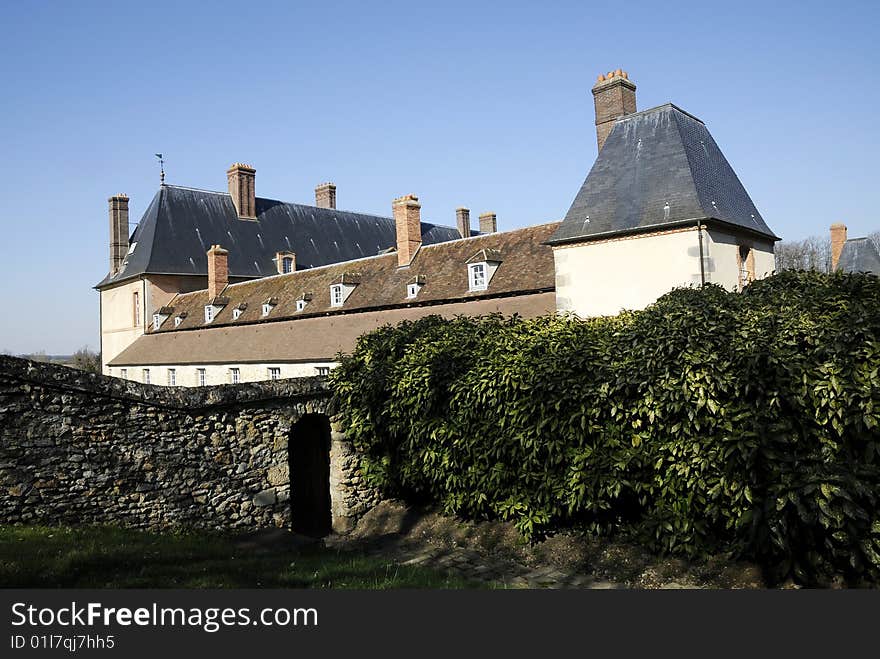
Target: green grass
110,557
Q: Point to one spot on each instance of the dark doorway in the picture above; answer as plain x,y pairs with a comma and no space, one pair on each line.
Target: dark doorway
309,457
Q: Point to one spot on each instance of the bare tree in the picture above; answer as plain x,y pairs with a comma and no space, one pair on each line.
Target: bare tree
813,253
87,360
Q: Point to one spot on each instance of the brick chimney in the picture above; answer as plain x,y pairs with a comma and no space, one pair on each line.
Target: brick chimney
614,96
408,223
838,238
325,195
241,180
218,271
118,231
463,221
488,223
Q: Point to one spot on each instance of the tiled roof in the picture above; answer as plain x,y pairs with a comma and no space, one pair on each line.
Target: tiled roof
659,168
180,225
527,266
314,339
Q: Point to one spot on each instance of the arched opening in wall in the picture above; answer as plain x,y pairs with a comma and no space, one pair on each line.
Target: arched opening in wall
309,462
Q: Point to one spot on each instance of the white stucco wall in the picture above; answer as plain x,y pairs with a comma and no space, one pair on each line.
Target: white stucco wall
604,277
188,376
117,319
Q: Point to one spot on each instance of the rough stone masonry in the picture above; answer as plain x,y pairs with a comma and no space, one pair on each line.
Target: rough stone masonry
82,448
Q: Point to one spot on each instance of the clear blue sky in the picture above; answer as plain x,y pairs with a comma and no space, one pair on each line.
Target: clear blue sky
486,105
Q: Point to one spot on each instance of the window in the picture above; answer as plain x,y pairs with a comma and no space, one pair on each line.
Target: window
323,370
477,277
274,372
412,290
286,265
746,265
234,375
136,308
123,373
146,376
266,308
236,313
209,313
336,295
300,305
177,321
172,377
202,378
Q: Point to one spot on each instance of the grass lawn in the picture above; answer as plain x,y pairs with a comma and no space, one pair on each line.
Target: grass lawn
110,557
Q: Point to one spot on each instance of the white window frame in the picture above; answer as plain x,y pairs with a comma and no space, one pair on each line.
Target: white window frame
234,375
201,377
323,370
337,295
172,377
157,320
236,313
177,321
209,313
267,309
274,372
300,305
123,373
412,290
478,282
286,265
146,376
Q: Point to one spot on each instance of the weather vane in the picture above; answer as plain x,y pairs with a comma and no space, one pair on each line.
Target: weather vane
161,169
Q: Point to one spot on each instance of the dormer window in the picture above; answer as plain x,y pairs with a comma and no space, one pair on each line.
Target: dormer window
236,313
285,262
214,307
477,277
161,316
342,288
179,319
413,286
268,305
481,268
337,295
300,305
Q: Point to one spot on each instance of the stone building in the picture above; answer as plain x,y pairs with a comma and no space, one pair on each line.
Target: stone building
218,288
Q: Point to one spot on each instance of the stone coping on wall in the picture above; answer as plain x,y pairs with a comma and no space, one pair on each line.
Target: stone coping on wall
184,398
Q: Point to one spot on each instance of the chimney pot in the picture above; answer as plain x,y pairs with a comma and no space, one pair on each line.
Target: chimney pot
838,239
488,223
118,230
408,224
463,221
218,271
325,195
241,179
614,97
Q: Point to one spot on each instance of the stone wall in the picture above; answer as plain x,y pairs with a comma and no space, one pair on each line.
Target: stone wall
83,448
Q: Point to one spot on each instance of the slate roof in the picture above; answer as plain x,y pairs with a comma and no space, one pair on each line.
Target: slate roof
859,255
659,168
526,265
181,224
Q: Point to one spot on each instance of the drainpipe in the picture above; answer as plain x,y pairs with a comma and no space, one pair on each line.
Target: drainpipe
702,264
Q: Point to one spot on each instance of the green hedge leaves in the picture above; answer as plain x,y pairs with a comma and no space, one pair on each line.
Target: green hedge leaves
708,422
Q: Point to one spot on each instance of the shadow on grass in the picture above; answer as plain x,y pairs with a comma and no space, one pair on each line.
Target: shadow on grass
111,557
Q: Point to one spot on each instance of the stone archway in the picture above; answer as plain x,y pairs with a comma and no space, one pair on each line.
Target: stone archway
309,467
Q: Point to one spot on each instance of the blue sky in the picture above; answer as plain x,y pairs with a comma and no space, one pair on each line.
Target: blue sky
486,105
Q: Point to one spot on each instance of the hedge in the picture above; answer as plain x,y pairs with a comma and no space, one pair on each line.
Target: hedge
709,422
